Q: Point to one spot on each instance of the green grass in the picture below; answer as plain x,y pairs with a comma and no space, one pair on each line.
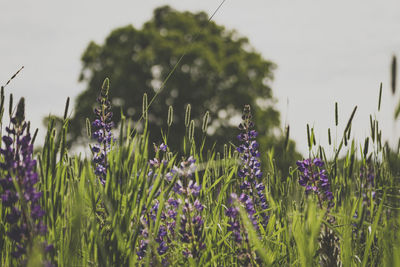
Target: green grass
92,225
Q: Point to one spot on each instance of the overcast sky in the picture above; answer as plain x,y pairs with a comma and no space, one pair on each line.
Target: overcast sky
326,51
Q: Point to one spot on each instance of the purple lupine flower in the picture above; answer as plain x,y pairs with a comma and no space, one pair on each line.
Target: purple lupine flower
162,239
163,147
162,236
142,248
162,248
24,213
250,209
154,210
233,223
190,221
314,178
252,195
168,215
191,231
170,175
158,161
250,170
198,205
102,126
262,202
171,214
186,168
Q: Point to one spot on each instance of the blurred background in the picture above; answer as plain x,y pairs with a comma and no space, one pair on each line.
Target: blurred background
313,54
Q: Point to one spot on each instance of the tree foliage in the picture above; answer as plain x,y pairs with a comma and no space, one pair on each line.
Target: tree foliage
220,72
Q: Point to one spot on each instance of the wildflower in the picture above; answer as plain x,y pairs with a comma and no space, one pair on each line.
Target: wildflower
163,147
234,226
102,126
167,216
24,211
252,195
250,170
142,248
190,219
249,206
314,178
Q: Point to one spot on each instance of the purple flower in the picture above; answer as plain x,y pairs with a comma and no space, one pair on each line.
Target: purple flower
233,223
100,170
198,205
318,162
13,216
191,232
24,213
249,155
314,178
102,126
252,195
193,188
173,202
186,191
142,248
231,212
7,140
37,212
163,147
162,248
9,197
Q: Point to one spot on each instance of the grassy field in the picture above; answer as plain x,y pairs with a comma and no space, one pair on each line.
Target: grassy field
136,203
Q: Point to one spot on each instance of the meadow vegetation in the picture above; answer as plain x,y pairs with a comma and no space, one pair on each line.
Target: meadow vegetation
135,203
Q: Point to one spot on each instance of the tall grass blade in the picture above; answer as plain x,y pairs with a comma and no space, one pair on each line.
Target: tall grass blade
393,74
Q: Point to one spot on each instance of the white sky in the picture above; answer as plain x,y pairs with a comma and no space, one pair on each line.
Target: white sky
326,51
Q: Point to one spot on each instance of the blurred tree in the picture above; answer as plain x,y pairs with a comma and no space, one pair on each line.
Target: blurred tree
220,72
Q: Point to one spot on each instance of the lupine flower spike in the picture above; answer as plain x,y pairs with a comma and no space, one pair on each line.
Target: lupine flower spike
24,213
102,126
251,194
314,178
191,222
250,172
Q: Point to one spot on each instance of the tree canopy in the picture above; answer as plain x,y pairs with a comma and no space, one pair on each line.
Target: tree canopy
220,72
